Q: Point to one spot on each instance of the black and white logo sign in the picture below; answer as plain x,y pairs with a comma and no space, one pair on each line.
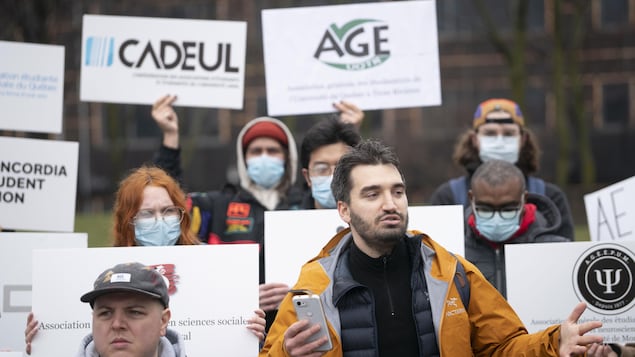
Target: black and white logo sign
603,277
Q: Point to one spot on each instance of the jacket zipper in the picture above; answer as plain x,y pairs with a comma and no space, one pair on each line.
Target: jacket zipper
497,267
392,308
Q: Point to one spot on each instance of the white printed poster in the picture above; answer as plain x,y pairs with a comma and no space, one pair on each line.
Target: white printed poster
378,55
15,279
31,89
546,280
293,237
38,181
610,212
136,60
213,292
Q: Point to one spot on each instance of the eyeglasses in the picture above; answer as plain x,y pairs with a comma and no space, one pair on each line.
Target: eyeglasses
322,170
148,218
487,212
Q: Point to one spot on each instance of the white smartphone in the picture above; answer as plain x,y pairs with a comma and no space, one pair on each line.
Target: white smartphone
309,307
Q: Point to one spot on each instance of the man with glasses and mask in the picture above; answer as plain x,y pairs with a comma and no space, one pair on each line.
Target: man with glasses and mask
502,212
499,133
323,145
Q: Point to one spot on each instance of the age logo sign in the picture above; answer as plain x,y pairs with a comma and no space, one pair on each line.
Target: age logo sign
379,55
357,45
603,277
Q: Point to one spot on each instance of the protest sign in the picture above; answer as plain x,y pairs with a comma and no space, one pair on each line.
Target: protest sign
31,87
136,60
38,181
294,237
15,278
213,292
546,280
376,55
611,212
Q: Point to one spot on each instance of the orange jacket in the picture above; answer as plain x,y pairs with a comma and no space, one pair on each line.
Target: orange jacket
490,327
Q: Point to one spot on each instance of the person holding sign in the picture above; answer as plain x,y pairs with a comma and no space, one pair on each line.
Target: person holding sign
267,164
131,313
322,146
502,212
150,210
386,291
499,132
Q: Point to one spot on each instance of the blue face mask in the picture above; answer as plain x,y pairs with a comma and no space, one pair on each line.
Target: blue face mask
265,171
160,232
499,148
321,191
497,229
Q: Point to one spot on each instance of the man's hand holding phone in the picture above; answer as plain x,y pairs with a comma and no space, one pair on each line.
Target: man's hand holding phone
310,334
296,339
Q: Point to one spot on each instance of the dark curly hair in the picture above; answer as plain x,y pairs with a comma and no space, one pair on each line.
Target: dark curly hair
466,154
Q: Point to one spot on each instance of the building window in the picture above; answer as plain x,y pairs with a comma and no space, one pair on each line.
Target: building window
132,123
615,106
614,13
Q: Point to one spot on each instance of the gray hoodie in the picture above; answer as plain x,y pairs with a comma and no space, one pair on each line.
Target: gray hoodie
170,345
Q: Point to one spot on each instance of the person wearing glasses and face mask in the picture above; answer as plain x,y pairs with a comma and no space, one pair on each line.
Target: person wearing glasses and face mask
322,146
501,211
150,210
499,133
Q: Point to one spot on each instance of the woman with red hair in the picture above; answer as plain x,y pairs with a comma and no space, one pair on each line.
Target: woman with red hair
150,210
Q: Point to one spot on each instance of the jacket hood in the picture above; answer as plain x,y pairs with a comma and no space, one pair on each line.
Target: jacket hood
267,197
171,345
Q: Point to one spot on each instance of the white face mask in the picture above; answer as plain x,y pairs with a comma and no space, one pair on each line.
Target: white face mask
499,147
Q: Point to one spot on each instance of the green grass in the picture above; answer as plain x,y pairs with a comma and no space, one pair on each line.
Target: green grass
98,227
582,233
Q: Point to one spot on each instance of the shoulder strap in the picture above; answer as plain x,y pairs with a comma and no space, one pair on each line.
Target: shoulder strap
462,284
459,190
536,185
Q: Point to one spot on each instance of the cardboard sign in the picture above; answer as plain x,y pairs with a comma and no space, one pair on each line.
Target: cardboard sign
611,212
213,292
377,55
38,181
139,59
546,280
294,237
31,87
15,279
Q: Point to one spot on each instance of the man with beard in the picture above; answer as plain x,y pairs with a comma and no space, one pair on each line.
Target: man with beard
387,291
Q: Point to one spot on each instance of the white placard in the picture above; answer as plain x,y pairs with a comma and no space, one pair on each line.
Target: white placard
38,184
38,181
546,280
15,279
31,87
10,354
294,237
138,59
214,290
377,55
611,212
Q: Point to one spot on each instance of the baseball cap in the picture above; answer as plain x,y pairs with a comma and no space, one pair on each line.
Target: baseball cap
498,105
129,277
265,129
